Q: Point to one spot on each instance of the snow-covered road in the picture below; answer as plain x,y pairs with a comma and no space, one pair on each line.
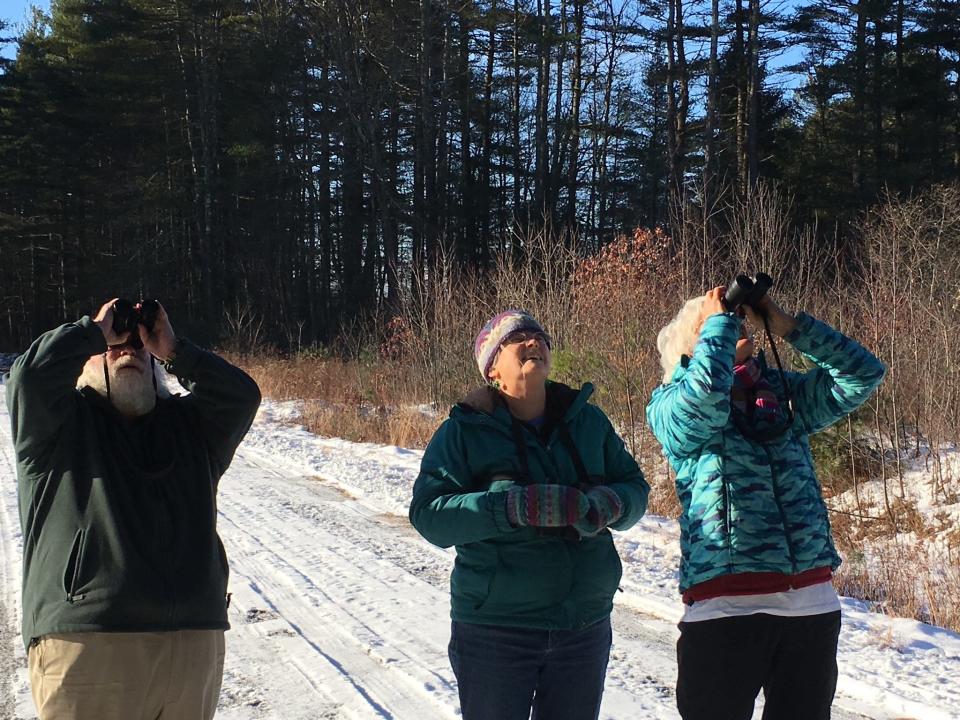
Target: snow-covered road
340,610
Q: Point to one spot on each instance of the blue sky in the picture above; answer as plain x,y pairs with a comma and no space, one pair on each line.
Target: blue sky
14,12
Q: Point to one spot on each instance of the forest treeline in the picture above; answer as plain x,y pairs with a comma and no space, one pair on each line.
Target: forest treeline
299,165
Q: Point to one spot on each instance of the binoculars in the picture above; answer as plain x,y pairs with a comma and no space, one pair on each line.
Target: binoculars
126,317
745,290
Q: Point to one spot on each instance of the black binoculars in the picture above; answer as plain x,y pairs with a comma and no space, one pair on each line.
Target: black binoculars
745,290
126,317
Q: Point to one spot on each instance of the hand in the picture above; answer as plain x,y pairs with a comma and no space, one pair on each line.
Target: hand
104,319
781,323
161,342
544,505
605,507
712,304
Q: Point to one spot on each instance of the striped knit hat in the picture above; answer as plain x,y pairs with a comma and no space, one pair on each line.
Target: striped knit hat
495,332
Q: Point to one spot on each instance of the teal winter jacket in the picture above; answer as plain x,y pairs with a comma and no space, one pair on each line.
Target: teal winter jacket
751,504
524,577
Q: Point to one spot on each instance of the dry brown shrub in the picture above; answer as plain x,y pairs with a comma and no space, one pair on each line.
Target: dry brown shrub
403,427
663,499
410,428
623,295
300,377
905,579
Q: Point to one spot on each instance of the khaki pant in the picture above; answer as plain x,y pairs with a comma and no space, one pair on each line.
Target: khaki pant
127,676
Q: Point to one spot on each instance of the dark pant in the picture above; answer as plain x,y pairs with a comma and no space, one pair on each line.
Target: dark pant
724,663
504,671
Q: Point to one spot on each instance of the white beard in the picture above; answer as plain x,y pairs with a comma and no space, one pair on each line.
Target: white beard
132,394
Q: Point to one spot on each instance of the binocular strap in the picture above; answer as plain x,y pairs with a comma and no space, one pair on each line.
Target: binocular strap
106,375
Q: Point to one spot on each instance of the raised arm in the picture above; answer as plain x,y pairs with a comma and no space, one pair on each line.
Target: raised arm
685,414
846,376
41,388
223,396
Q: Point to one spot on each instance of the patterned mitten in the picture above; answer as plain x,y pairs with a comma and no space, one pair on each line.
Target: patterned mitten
545,505
605,507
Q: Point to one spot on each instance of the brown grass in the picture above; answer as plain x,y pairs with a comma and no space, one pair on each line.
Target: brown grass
357,400
403,427
906,580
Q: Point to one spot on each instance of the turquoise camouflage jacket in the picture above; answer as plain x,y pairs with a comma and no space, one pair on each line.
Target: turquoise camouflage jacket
750,505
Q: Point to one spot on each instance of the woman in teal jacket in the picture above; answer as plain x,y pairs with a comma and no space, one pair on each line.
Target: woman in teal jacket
525,477
757,552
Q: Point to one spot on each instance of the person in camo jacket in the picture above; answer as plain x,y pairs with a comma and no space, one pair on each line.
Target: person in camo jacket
757,555
525,478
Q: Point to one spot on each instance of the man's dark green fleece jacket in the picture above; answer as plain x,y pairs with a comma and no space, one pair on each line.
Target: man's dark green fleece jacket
119,515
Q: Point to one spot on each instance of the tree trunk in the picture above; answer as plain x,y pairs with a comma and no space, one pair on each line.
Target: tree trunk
541,181
518,171
683,104
467,230
710,119
559,134
740,53
576,90
483,205
859,94
753,121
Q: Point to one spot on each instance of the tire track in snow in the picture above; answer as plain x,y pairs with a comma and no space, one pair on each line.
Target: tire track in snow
327,568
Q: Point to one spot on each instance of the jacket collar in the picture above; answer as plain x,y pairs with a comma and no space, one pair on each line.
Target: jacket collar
681,369
485,405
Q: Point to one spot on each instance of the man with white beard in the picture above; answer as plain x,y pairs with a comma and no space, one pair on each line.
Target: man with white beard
124,576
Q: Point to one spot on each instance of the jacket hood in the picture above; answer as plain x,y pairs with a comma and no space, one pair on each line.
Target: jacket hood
485,404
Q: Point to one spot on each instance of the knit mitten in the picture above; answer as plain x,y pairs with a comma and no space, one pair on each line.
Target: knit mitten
544,505
605,507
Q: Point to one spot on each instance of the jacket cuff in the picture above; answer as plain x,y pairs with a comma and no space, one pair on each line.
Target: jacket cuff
720,325
186,355
498,506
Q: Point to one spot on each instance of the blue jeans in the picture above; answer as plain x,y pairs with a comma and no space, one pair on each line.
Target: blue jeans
504,671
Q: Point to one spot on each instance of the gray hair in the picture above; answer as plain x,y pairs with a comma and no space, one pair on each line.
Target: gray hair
679,336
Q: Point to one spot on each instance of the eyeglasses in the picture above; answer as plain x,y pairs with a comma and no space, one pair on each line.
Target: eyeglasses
128,345
522,336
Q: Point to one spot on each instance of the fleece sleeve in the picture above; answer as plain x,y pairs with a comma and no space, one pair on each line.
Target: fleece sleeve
41,389
224,398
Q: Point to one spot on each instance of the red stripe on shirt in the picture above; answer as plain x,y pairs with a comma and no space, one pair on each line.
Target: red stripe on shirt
756,583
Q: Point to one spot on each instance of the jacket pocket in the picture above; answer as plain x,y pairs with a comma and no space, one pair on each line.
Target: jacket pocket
529,578
488,594
71,573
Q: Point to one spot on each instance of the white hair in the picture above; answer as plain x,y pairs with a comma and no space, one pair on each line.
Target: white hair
679,336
